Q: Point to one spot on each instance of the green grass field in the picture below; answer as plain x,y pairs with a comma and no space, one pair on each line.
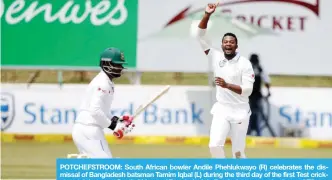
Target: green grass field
28,160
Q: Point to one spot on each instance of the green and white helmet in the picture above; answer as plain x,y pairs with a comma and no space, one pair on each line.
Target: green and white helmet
112,61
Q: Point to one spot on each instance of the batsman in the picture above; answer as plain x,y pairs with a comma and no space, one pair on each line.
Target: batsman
94,115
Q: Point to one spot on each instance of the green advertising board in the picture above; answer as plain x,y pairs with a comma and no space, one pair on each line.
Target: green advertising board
66,34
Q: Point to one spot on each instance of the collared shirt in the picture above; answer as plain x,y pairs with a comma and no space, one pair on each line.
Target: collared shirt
96,104
236,71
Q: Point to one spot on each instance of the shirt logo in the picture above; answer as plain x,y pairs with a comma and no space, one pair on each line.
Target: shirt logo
104,91
222,63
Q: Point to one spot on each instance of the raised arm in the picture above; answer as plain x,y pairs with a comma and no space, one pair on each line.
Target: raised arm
202,26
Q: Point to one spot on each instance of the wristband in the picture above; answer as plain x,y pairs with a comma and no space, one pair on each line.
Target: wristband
114,122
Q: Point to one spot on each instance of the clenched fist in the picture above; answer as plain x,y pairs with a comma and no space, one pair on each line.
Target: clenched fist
221,82
210,8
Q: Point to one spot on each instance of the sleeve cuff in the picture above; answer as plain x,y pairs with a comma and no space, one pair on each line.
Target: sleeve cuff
246,90
201,32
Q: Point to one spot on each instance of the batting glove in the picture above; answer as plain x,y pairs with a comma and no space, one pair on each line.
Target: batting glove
127,120
124,126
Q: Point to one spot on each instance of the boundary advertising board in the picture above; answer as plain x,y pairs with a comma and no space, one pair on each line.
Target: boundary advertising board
183,111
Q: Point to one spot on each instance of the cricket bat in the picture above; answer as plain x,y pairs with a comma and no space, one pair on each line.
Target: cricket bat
142,107
119,134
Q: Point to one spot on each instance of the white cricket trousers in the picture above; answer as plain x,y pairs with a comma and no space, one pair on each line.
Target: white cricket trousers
229,120
90,140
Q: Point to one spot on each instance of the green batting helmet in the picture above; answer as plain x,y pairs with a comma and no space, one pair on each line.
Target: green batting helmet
113,55
112,61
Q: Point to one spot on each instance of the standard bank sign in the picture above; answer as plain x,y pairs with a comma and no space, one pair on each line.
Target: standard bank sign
7,110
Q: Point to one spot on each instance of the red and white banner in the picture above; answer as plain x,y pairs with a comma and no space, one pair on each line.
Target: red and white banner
291,36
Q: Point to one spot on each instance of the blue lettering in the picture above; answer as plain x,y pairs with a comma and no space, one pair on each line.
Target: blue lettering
166,118
196,115
122,112
178,117
150,117
154,115
311,119
67,117
47,116
56,117
326,117
297,115
33,116
42,119
284,114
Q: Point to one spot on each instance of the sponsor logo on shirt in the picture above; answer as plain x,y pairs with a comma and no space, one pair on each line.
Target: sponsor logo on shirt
104,91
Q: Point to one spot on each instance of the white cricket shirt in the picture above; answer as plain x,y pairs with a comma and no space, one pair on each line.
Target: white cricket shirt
236,71
96,105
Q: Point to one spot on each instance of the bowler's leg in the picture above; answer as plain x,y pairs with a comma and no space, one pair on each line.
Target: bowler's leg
218,134
238,137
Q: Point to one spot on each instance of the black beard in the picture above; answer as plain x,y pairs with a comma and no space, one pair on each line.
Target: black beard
113,76
230,56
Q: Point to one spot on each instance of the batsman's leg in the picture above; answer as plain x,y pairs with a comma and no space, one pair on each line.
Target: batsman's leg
91,141
238,137
106,149
218,134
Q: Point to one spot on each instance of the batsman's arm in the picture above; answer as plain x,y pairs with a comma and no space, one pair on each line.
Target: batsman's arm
98,101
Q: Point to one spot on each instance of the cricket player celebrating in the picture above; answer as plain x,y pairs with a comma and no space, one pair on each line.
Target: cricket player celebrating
234,77
94,115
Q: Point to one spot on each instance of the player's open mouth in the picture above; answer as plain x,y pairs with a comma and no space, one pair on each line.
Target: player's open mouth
228,50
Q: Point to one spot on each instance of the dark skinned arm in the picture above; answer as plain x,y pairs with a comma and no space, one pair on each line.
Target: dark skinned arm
247,82
235,88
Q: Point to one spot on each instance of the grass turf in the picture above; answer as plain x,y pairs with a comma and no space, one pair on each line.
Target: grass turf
27,160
